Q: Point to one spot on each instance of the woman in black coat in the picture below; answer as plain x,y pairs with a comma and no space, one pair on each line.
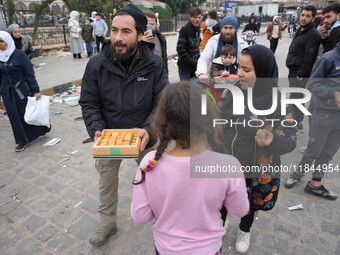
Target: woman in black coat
17,83
261,141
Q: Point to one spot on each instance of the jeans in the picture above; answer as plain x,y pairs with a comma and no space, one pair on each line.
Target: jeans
184,75
99,40
324,142
273,44
89,48
295,83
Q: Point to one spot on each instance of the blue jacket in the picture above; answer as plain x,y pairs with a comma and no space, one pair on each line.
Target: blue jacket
325,80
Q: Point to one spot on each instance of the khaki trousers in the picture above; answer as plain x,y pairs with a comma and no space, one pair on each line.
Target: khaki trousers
108,170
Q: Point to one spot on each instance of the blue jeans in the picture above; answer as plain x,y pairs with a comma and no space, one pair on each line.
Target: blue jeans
89,48
184,75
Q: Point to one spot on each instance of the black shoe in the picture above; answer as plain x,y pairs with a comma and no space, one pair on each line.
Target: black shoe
300,128
88,140
320,191
20,147
293,179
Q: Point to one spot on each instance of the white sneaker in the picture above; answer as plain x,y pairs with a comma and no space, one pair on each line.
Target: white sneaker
242,242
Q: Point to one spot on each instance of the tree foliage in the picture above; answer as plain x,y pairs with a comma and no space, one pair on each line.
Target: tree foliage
38,10
10,11
182,6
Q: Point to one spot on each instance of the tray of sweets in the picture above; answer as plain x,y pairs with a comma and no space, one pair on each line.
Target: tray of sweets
117,143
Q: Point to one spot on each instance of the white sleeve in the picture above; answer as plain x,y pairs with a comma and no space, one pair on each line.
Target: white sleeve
206,57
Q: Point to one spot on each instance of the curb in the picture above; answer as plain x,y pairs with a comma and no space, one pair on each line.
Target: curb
60,88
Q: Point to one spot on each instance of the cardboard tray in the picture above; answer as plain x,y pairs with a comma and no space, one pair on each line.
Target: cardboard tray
117,151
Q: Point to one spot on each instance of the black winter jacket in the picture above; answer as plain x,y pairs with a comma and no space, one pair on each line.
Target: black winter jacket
188,48
113,98
303,51
330,42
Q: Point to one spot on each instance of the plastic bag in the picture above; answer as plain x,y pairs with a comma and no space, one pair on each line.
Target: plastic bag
37,112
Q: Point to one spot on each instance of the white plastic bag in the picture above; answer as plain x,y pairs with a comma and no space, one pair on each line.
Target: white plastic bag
37,112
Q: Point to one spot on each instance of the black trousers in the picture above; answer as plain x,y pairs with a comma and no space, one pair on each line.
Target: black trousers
273,44
99,40
295,83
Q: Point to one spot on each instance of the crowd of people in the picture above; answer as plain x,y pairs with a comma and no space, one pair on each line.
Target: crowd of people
126,86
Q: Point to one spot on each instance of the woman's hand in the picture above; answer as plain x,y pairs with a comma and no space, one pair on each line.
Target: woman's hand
37,96
266,140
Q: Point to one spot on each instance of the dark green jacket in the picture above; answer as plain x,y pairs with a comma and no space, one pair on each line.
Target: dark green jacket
87,33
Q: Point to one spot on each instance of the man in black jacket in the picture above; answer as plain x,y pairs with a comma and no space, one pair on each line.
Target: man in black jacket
155,36
330,31
188,45
302,54
120,89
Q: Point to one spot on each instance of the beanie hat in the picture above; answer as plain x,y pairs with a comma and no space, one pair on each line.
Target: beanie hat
11,27
137,15
228,20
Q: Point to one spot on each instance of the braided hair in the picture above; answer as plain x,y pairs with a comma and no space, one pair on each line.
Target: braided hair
178,117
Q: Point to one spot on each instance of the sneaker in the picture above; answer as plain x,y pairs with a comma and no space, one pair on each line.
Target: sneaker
102,235
242,242
293,179
302,149
320,191
20,147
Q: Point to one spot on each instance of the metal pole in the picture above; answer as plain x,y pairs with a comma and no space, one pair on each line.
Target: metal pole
64,31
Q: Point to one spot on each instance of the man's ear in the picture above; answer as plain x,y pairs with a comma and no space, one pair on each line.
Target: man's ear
140,36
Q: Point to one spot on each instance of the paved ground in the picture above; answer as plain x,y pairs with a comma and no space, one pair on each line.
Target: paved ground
49,195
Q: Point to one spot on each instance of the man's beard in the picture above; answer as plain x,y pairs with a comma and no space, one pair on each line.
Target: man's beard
123,57
229,39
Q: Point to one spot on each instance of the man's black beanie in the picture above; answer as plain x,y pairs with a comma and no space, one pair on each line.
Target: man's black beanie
138,16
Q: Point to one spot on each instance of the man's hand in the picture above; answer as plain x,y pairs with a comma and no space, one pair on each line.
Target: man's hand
145,139
324,31
337,98
203,77
147,37
266,140
97,135
37,96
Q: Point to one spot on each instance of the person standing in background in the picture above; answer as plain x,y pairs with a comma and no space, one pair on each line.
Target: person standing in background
99,31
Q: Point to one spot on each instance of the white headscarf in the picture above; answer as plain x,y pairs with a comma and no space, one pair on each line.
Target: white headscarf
74,15
5,55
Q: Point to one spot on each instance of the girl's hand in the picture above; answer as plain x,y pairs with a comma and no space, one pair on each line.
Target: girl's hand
266,140
37,96
225,73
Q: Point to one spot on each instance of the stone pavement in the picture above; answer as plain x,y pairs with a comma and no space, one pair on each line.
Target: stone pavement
49,197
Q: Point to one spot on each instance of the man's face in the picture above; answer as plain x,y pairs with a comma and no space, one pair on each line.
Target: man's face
252,21
98,17
196,20
330,18
228,33
306,18
152,22
124,37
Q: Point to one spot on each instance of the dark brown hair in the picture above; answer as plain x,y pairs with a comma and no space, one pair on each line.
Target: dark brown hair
228,50
178,117
195,11
150,15
213,14
335,7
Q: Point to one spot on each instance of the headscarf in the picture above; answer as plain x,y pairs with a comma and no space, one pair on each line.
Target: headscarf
137,15
17,41
94,12
275,19
265,67
74,14
5,55
228,20
11,27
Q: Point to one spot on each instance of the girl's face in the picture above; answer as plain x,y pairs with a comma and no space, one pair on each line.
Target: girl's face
16,33
3,45
246,72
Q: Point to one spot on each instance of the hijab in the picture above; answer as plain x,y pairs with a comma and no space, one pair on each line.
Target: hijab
74,15
266,71
5,55
228,20
17,41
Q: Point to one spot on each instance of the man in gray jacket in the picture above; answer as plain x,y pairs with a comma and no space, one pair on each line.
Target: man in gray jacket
120,90
99,31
